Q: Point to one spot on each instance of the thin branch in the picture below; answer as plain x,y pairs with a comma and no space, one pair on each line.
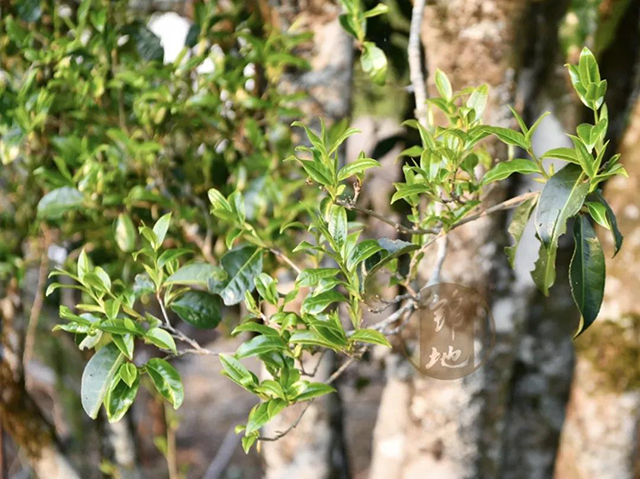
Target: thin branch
177,334
415,62
281,434
442,254
397,226
339,372
280,255
505,205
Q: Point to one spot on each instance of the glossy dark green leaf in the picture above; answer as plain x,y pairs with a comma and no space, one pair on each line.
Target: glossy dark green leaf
97,377
260,345
587,272
161,338
166,380
120,398
199,308
242,265
317,304
518,223
266,287
561,198
361,252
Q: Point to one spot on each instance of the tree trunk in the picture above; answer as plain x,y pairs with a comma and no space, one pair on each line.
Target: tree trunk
601,435
453,429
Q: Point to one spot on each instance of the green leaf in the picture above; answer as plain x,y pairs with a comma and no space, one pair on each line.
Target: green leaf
125,233
544,273
374,63
588,68
97,377
235,371
260,345
587,272
55,203
312,276
199,308
506,168
161,227
120,398
613,222
161,338
370,336
379,9
125,343
518,223
357,166
242,265
318,172
166,380
338,225
443,85
266,287
599,213
584,157
311,338
196,273
521,123
258,417
314,390
405,190
478,101
253,327
317,304
508,136
566,154
218,201
561,198
361,252
128,372
83,264
169,255
529,135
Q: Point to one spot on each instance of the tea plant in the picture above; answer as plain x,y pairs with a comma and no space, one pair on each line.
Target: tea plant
444,182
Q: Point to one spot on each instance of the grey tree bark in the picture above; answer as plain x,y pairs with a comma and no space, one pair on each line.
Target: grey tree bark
601,435
455,429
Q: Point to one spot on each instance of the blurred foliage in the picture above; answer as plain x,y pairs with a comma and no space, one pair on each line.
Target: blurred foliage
92,120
